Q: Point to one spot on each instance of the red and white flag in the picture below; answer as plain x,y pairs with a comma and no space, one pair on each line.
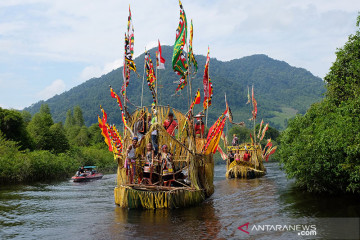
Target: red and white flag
160,61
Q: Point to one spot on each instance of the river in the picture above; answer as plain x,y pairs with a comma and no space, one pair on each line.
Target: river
67,210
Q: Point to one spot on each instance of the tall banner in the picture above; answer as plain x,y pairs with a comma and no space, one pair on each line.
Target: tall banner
208,88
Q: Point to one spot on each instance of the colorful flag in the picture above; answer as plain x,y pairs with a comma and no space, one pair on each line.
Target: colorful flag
179,61
191,56
254,112
160,61
104,129
264,131
129,63
262,122
222,154
150,75
270,152
208,88
214,134
229,113
197,100
181,36
114,95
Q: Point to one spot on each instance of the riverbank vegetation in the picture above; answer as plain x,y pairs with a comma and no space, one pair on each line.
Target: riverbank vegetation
34,148
321,149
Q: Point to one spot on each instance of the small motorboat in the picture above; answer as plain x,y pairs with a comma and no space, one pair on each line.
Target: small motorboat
86,174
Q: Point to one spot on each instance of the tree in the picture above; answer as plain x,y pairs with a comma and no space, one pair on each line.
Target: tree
44,108
321,149
39,130
95,134
82,139
59,141
78,116
26,117
13,127
69,121
242,133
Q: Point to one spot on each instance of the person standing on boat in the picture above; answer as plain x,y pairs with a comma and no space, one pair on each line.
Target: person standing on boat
199,126
235,141
131,159
154,134
170,124
140,126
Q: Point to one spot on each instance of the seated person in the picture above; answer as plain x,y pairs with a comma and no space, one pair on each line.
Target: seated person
81,171
246,156
231,156
170,124
167,159
237,156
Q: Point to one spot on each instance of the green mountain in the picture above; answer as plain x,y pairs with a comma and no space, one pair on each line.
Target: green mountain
281,90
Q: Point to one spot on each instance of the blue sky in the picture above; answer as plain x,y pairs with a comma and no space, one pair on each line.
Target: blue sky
48,47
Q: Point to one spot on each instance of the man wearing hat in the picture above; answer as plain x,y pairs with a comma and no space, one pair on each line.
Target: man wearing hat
131,158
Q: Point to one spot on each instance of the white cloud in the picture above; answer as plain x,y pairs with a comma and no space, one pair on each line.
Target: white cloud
96,71
56,87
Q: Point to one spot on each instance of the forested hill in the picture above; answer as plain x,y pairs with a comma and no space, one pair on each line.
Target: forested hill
280,90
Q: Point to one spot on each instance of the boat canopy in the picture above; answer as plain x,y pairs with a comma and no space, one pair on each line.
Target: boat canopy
89,167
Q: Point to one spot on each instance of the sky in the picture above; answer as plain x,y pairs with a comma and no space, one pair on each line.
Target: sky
48,47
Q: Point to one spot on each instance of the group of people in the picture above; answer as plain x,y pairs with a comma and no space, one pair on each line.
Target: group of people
236,154
160,162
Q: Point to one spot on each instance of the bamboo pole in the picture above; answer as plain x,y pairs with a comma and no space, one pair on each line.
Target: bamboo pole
142,89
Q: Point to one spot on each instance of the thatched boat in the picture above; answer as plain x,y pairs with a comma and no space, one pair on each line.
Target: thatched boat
197,168
246,169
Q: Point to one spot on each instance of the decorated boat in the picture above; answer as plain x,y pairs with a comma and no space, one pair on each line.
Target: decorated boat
164,159
246,160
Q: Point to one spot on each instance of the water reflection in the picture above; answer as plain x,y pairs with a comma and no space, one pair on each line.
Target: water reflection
65,210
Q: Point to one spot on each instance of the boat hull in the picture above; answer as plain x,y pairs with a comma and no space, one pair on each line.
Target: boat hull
87,178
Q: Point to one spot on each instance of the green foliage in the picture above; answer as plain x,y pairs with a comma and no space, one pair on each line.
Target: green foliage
277,86
83,137
95,134
78,116
69,121
59,140
322,148
13,127
39,130
242,133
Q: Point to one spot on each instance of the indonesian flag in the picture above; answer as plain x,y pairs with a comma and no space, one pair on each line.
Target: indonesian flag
160,61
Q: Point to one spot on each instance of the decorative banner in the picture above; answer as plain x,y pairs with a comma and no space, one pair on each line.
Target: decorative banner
104,129
191,56
160,61
270,152
114,95
214,135
179,62
254,112
150,75
262,122
129,63
181,36
264,131
197,100
223,155
208,88
229,113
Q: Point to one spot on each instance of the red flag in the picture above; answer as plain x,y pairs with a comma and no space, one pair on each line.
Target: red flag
160,61
262,122
196,99
264,131
208,88
114,95
223,155
272,151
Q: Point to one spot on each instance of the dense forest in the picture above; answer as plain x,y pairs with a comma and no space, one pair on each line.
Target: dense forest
280,90
321,149
34,148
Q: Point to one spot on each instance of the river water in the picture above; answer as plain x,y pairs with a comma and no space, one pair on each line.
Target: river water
67,210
